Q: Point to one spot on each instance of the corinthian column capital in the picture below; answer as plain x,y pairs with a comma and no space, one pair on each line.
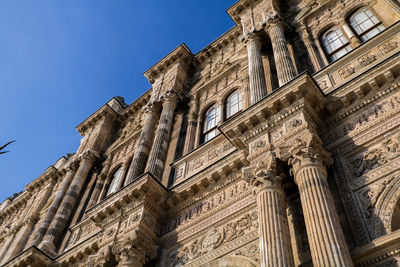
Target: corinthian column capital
251,37
308,151
88,155
152,107
171,96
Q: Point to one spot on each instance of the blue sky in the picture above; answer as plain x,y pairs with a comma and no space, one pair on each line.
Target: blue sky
60,60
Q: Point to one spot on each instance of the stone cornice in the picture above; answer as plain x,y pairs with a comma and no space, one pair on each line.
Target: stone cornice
104,112
235,10
145,185
137,105
49,174
31,256
378,250
180,54
218,44
247,125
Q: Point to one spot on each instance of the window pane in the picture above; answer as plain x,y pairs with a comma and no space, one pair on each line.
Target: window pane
364,21
115,181
333,42
211,119
233,104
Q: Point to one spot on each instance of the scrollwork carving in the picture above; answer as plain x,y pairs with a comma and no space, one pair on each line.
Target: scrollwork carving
214,239
376,157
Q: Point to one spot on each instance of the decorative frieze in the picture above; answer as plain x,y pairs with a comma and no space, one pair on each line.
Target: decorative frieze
213,239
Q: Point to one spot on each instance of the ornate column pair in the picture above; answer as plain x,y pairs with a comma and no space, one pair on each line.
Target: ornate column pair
142,151
273,226
159,150
70,172
283,62
327,244
58,224
257,85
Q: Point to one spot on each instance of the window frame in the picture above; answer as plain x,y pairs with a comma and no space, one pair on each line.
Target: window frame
364,33
205,123
113,180
239,103
324,43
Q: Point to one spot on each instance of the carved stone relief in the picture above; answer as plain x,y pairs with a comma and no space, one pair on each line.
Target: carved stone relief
213,239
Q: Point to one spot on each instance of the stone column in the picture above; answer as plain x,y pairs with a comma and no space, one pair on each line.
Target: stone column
258,88
142,151
274,234
327,244
71,169
158,153
321,52
122,180
57,226
284,65
191,131
315,58
354,41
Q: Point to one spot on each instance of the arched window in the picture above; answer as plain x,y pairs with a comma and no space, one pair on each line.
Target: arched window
365,24
115,181
233,104
211,120
335,43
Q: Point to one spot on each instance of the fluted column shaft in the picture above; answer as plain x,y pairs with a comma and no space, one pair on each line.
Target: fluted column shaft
327,244
284,65
190,140
139,160
274,230
315,59
258,88
54,205
159,150
57,226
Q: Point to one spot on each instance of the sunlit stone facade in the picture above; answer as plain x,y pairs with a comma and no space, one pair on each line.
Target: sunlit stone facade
276,145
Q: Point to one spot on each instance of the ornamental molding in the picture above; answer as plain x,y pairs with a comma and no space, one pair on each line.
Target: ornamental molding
206,247
221,215
208,207
357,130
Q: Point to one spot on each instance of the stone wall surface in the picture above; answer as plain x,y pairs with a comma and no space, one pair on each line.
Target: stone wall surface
306,171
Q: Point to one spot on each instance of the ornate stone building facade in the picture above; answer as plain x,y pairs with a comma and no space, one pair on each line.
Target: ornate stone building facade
276,145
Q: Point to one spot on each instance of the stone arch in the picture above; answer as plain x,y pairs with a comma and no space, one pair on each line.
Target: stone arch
387,209
232,261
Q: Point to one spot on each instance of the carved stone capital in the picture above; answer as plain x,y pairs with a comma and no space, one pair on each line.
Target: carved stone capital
134,250
152,107
308,151
171,96
251,37
263,172
88,155
72,166
274,18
